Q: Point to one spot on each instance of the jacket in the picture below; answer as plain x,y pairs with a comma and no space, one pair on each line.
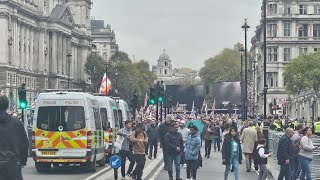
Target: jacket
192,147
226,150
173,140
262,155
306,147
125,132
153,133
248,138
13,140
285,149
184,132
163,130
208,132
138,147
217,132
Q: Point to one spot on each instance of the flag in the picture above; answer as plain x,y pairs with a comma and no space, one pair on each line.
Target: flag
145,101
204,106
192,111
213,106
33,105
283,102
106,85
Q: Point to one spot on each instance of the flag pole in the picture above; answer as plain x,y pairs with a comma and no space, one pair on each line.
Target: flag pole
106,77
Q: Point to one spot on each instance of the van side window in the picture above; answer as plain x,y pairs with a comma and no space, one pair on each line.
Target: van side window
115,114
97,119
120,118
104,118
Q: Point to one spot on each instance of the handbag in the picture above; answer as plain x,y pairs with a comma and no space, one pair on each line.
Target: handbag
118,143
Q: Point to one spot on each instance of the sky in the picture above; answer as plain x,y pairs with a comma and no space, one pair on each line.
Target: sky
190,31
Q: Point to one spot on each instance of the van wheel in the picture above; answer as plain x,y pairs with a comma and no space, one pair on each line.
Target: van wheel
91,166
102,162
43,167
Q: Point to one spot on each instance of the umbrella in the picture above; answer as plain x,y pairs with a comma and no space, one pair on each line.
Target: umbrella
200,125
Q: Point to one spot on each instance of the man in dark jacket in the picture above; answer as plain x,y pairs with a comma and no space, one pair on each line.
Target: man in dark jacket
174,146
163,129
153,136
13,144
285,155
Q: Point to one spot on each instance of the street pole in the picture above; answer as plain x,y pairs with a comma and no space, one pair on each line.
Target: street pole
312,121
69,59
265,89
241,82
245,27
166,104
106,77
157,103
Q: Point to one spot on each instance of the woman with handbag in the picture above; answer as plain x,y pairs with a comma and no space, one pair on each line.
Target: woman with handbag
192,151
231,153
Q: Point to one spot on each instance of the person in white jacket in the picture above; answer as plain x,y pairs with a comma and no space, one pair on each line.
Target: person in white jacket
306,153
262,159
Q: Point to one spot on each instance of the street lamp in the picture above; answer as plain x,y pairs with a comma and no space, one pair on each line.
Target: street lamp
265,59
241,82
312,121
245,27
69,55
116,74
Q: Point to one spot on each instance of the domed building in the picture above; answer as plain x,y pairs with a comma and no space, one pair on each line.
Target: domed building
164,67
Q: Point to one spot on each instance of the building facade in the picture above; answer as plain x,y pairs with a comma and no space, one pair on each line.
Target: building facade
43,43
293,28
103,39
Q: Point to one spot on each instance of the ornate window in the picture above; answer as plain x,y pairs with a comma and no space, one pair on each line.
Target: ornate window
165,63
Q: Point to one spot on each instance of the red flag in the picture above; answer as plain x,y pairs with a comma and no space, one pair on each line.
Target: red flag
106,85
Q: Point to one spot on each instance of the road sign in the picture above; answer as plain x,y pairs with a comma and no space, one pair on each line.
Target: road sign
115,162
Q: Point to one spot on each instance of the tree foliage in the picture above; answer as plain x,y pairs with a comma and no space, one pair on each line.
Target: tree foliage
222,67
303,73
94,67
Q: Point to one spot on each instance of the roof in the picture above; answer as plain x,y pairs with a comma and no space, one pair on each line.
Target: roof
164,57
97,24
62,12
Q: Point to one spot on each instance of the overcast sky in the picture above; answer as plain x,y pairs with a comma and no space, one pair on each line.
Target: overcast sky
190,30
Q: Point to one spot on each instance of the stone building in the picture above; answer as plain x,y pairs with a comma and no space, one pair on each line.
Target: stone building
104,40
293,28
43,42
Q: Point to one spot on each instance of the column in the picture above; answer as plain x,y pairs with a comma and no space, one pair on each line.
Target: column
41,48
26,64
64,56
59,54
31,60
22,45
75,64
4,39
53,48
15,42
79,62
47,48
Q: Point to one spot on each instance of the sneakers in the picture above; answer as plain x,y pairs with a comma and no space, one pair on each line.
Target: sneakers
184,165
155,157
130,175
149,157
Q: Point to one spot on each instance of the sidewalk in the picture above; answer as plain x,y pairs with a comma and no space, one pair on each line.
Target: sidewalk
149,168
273,167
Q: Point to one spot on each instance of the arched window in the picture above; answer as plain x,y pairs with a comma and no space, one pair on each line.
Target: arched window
165,72
165,63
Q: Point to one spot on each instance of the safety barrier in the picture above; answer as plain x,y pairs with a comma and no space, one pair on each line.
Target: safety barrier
274,138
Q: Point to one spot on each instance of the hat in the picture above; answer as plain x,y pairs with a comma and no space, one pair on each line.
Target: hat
183,122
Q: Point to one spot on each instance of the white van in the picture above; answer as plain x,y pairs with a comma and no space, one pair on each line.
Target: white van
67,129
123,106
110,122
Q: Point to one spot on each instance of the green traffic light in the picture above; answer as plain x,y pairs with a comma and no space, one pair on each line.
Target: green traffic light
152,101
23,105
160,99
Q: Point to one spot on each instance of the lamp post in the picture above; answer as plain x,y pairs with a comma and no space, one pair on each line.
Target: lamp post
265,86
69,55
241,82
116,74
245,27
312,120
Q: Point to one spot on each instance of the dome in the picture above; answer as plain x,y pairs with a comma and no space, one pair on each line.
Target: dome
164,56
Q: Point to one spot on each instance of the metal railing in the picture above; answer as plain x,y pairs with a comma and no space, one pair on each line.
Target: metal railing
274,138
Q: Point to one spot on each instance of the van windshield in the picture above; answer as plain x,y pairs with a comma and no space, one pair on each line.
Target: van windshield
68,118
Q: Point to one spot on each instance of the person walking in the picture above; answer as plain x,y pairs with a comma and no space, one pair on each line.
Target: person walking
14,144
174,146
296,138
208,137
139,139
262,159
248,139
231,153
184,132
125,151
163,129
306,153
192,150
153,136
217,137
285,154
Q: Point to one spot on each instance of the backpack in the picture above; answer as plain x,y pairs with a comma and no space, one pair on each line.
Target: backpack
296,146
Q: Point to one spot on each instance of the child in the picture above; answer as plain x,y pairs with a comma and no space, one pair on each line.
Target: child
262,159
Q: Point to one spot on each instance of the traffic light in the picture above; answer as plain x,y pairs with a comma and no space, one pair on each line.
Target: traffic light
160,94
153,95
23,97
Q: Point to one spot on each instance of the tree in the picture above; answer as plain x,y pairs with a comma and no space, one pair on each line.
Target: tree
120,56
95,68
303,73
222,67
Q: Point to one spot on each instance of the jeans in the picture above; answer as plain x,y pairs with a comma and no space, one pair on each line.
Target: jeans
305,168
164,152
285,172
124,155
141,161
10,171
248,157
216,143
296,167
263,172
153,145
192,167
207,145
176,158
234,160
